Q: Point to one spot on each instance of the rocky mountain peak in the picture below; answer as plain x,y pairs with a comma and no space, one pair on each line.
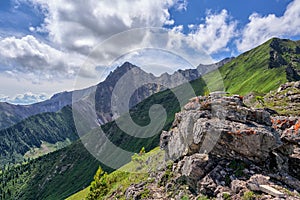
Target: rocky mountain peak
121,70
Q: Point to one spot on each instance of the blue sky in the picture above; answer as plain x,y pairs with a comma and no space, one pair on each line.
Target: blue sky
71,44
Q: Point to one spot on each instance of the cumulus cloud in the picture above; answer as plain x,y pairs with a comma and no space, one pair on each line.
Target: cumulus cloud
103,19
261,28
24,99
29,55
210,37
214,34
67,26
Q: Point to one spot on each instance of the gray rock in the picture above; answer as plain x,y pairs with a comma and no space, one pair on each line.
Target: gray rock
224,127
133,191
269,190
194,168
256,180
238,185
206,186
294,165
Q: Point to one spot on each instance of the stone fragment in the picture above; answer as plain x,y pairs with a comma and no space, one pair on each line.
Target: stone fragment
269,190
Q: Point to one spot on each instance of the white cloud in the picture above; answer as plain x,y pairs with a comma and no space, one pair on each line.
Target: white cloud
78,26
182,5
210,37
24,99
103,19
31,29
262,28
28,55
214,34
81,24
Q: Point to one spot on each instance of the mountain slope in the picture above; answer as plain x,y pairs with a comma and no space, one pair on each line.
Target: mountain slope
241,156
54,176
57,127
262,69
31,132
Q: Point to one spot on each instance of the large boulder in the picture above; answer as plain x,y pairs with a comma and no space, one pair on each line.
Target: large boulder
222,126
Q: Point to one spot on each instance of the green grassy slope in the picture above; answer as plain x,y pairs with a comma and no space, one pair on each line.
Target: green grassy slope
258,70
119,180
29,133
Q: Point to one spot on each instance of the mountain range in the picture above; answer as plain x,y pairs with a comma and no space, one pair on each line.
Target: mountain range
11,114
260,70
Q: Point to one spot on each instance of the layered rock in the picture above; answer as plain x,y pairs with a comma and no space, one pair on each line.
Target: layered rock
221,126
224,149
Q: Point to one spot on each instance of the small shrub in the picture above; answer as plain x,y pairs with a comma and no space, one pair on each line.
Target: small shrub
185,197
249,195
100,185
260,100
142,151
203,198
226,196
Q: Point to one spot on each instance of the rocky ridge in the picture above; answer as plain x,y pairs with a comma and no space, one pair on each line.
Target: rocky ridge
136,76
220,148
11,114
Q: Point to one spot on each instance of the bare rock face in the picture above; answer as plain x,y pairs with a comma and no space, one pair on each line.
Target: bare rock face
194,168
221,126
222,148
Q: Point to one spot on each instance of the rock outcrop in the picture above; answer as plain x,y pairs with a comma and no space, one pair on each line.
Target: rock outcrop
223,149
221,126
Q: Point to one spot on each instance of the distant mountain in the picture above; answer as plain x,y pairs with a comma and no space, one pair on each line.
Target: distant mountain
272,63
53,125
154,84
11,114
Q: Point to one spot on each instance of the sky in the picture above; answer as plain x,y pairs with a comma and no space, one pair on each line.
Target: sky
48,47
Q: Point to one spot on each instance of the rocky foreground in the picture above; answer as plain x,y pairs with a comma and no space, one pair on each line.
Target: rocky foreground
220,148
